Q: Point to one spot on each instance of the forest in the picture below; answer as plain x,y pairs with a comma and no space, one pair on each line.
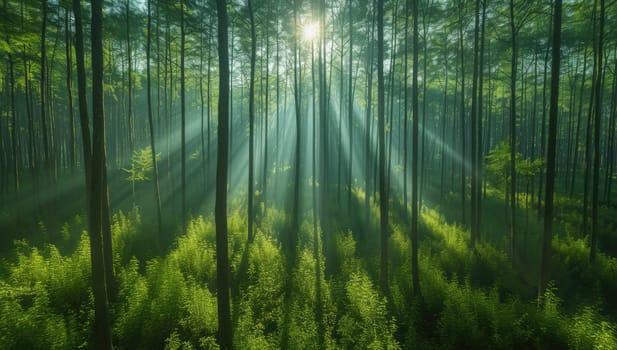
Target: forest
308,174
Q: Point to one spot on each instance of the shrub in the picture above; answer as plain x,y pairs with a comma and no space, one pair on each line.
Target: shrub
365,323
194,254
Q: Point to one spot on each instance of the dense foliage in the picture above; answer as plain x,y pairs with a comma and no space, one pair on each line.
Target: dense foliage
471,299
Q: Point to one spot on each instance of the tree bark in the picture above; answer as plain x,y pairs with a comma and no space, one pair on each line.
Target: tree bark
368,120
552,141
479,150
183,114
474,131
350,109
220,215
251,169
69,88
512,133
266,122
414,156
131,117
383,191
43,91
102,338
578,124
597,127
462,116
157,192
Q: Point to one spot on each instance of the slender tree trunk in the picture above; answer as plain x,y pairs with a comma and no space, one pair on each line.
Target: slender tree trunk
202,104
278,95
209,102
251,177
43,91
552,141
423,167
611,144
81,85
157,192
340,115
14,127
514,33
406,103
414,156
316,244
479,150
368,120
443,124
266,120
462,111
292,241
220,211
543,132
324,116
578,124
231,104
350,108
597,127
383,191
588,154
453,128
32,159
183,114
392,74
131,117
102,327
69,88
474,131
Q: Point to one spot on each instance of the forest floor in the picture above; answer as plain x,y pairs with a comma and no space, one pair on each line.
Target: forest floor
166,297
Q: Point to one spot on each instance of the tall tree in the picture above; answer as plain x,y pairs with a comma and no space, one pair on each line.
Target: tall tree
461,8
13,114
69,88
81,92
251,180
512,131
543,125
102,327
479,148
350,107
383,192
202,103
610,159
597,128
368,118
552,142
43,90
129,55
405,103
266,120
293,234
414,156
474,130
316,245
220,207
183,111
155,170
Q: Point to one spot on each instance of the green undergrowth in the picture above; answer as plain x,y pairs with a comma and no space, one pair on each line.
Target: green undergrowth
470,298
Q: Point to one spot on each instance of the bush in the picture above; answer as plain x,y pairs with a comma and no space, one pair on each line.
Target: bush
47,302
194,254
365,323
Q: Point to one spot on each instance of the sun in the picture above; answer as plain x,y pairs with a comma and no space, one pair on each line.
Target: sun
310,31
